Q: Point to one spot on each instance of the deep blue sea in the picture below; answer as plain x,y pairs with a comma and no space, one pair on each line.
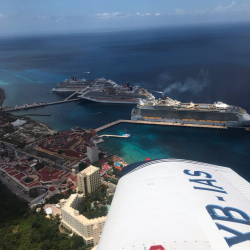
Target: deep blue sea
199,64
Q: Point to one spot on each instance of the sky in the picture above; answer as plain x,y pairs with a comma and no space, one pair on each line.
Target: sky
57,16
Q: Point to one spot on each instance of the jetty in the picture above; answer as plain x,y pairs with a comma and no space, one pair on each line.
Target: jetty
118,136
42,104
164,124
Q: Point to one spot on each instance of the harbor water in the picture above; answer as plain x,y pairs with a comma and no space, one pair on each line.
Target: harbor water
198,64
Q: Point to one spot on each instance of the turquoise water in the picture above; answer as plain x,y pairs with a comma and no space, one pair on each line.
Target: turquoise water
108,207
229,148
31,66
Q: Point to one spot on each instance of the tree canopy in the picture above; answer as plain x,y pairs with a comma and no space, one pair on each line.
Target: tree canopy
22,228
93,205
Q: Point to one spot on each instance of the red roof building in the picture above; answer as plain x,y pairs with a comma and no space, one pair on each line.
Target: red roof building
106,167
74,179
103,161
118,168
19,176
72,153
52,189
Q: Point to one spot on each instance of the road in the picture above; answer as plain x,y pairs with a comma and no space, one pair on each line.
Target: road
12,186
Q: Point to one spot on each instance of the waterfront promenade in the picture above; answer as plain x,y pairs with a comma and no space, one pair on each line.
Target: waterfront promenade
163,124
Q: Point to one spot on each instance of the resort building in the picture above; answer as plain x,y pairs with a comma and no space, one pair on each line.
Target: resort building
90,230
93,153
177,204
88,180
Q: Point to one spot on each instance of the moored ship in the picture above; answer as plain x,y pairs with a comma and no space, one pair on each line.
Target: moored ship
172,111
108,91
72,85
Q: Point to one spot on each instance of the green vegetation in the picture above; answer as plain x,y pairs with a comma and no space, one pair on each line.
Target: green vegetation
116,172
94,205
97,164
111,163
82,166
22,228
57,197
60,152
16,142
110,198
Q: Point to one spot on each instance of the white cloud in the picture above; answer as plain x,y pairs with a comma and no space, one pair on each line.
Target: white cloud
158,14
141,14
222,8
180,11
110,15
202,12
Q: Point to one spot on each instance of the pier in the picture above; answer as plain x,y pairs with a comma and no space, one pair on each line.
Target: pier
71,96
164,124
42,104
117,136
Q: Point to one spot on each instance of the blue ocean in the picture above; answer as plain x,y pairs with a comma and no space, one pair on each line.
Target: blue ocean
199,64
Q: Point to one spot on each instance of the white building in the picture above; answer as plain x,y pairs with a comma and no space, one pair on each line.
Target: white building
88,180
18,123
93,154
178,204
90,230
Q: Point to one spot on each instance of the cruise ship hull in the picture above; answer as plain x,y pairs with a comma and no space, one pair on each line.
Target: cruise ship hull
239,120
132,101
66,90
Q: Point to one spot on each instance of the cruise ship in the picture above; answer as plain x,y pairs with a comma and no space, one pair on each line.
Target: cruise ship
168,110
108,91
72,85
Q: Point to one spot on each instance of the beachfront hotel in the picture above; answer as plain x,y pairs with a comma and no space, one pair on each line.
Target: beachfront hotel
89,229
88,180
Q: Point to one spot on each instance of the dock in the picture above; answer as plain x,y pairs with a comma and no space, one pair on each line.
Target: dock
117,136
163,124
42,104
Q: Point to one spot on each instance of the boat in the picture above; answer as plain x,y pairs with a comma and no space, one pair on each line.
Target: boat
72,85
107,91
172,111
125,134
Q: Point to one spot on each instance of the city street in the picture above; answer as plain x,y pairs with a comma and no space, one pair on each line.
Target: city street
15,190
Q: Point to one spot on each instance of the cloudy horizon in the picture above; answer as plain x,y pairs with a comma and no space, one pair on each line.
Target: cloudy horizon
67,16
